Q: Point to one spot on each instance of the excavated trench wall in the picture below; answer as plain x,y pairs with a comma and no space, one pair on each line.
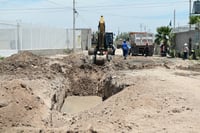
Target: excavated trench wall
46,82
84,80
51,81
81,80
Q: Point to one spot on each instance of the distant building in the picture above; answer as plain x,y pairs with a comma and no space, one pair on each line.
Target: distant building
196,7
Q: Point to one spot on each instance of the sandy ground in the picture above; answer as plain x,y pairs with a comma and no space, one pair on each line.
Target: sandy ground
144,95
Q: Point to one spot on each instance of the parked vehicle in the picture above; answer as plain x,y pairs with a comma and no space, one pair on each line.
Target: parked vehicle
138,41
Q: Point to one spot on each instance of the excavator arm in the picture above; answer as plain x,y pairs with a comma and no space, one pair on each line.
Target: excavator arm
101,34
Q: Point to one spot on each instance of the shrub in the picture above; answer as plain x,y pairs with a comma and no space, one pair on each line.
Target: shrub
197,52
172,53
1,58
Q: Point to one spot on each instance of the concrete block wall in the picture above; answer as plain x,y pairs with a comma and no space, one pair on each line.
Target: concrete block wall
183,37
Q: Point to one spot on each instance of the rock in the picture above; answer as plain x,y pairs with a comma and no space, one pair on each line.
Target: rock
90,128
27,107
23,85
3,103
176,111
166,66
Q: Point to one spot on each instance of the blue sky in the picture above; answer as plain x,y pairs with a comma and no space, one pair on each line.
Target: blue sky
120,15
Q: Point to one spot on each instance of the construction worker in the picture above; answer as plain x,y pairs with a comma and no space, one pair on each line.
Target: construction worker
146,50
163,49
185,51
125,49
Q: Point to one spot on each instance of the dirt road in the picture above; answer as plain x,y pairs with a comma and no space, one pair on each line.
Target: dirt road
150,94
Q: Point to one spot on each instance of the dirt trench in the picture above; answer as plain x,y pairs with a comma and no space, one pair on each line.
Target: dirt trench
50,81
34,88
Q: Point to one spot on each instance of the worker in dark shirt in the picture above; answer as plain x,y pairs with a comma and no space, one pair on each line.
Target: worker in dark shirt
125,49
146,50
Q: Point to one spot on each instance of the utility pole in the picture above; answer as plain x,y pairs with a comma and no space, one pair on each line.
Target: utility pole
140,27
74,11
18,37
174,19
118,32
190,12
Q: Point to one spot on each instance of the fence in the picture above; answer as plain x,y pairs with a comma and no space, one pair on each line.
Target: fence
20,37
8,39
41,37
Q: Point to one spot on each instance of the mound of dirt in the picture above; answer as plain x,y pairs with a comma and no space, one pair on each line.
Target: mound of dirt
135,62
22,62
24,56
20,107
191,67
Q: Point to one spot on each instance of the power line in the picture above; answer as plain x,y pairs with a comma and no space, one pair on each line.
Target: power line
42,8
52,2
61,7
33,12
74,25
135,5
84,21
83,8
129,16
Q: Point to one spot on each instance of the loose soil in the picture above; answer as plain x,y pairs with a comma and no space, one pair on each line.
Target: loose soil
140,94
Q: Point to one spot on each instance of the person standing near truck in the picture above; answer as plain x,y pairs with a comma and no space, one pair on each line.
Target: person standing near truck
146,50
125,49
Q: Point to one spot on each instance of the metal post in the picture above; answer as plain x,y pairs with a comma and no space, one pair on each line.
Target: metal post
190,12
31,31
74,47
174,19
18,37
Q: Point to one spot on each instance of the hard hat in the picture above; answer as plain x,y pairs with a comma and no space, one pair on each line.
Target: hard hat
185,44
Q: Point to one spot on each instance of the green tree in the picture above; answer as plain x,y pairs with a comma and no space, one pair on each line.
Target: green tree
1,58
194,20
164,34
123,35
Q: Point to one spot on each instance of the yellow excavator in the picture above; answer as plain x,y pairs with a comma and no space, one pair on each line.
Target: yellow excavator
103,50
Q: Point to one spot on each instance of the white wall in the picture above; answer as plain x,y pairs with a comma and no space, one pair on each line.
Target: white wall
22,37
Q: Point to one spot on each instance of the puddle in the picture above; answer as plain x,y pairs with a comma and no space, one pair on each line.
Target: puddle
75,104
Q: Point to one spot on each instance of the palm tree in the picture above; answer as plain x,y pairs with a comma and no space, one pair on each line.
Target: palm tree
194,20
163,34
